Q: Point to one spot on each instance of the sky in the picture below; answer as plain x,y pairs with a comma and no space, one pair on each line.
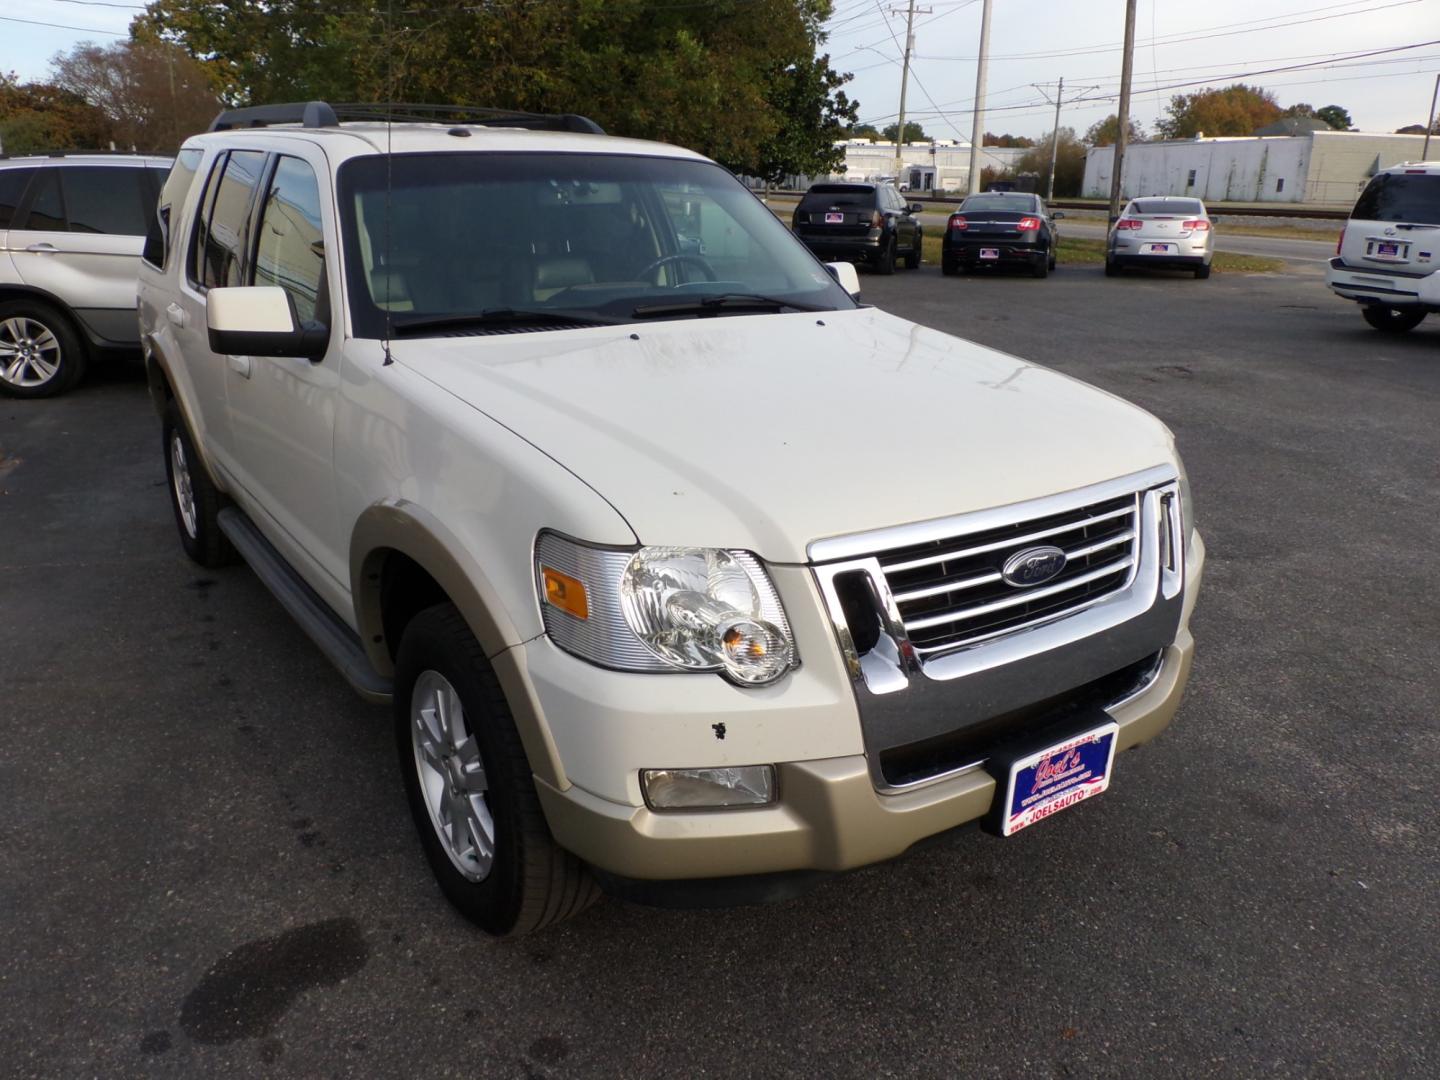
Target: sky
1031,42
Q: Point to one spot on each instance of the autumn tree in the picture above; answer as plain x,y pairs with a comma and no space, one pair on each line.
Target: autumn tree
1105,132
36,117
914,132
1006,141
1235,110
1069,163
1418,129
153,93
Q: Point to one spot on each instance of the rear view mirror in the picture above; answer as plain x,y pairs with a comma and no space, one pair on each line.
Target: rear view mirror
917,208
1213,219
1057,215
846,275
260,320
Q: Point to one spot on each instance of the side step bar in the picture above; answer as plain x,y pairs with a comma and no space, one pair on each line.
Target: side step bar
337,641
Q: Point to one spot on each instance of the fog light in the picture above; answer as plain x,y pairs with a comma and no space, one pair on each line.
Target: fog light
706,789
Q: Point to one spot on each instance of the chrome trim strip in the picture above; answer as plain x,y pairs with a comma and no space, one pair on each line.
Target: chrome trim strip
981,549
860,545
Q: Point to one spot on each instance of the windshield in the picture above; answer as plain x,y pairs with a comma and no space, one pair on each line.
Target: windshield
1401,197
1017,204
561,234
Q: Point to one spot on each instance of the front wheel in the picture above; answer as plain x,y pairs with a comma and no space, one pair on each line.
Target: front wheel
194,498
40,353
1392,320
470,788
912,260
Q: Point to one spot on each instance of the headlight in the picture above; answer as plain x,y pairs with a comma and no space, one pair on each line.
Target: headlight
664,609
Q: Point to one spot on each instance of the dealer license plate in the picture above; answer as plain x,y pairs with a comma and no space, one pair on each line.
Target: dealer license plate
1056,778
1391,250
989,253
834,219
1159,249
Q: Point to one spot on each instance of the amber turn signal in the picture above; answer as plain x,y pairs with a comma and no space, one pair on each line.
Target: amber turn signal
565,592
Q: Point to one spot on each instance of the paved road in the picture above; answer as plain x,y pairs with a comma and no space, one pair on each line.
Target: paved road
206,866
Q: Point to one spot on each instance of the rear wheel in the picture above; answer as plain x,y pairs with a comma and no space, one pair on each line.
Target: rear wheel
1392,320
1112,268
1041,267
40,352
1203,271
1052,258
912,260
949,268
885,264
470,788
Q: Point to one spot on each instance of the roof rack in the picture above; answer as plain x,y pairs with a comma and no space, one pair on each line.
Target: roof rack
83,153
317,114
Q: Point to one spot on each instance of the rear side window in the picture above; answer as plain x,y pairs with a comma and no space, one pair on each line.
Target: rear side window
1174,207
12,188
111,200
47,212
220,235
290,248
172,197
1407,197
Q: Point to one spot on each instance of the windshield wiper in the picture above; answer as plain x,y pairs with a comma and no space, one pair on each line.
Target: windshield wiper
723,302
496,317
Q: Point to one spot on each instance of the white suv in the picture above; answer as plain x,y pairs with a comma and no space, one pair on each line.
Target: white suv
684,573
1388,257
71,230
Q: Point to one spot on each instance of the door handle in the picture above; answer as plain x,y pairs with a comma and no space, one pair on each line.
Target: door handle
176,314
240,365
43,248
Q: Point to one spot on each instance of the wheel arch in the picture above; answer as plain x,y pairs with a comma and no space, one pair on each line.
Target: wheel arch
11,292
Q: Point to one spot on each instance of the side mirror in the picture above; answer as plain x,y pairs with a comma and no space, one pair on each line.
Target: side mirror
846,274
1056,215
1214,220
917,208
260,320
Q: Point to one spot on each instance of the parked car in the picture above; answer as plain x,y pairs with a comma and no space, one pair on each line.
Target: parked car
1001,228
861,223
600,519
1388,256
71,229
1162,232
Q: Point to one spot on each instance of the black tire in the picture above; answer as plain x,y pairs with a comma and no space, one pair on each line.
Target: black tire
885,264
32,324
1392,320
531,881
200,533
1052,258
949,268
1112,268
912,260
1040,267
1202,272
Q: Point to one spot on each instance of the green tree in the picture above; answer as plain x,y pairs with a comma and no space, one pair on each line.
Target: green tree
1006,140
1337,117
914,132
36,117
814,113
1235,110
1069,163
1105,132
865,131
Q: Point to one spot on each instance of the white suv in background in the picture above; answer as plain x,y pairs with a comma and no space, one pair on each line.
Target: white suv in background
683,573
71,230
1388,257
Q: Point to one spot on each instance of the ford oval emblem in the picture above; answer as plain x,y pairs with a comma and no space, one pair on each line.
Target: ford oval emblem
1033,566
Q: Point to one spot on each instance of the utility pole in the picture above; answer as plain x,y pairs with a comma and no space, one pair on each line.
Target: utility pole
1055,134
977,129
904,83
1123,116
1430,119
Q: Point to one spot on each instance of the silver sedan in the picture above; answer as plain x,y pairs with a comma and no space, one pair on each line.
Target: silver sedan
1164,232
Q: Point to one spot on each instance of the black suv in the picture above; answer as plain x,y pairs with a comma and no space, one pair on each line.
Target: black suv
869,223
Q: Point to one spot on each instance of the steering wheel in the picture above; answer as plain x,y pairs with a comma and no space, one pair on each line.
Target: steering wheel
679,256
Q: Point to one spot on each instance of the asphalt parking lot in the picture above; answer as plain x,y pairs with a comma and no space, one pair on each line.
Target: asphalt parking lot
207,866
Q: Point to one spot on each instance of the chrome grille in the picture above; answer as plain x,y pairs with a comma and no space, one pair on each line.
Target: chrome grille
950,592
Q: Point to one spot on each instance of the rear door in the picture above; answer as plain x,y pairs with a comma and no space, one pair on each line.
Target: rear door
1396,224
80,240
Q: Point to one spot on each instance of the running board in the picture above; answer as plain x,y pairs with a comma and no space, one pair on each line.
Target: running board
338,642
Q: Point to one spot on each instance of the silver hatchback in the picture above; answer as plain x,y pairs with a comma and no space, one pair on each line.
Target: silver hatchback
1164,232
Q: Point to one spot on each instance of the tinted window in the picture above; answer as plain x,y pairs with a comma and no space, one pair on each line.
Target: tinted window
290,250
840,195
110,200
47,212
1174,207
12,187
1407,197
223,233
172,198
1015,204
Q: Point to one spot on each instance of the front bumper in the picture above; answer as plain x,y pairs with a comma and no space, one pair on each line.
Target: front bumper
1384,287
831,814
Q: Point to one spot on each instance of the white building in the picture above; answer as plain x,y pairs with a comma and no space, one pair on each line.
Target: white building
942,165
1325,168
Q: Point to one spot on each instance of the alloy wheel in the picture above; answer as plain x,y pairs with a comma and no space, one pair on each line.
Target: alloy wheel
29,352
452,776
180,483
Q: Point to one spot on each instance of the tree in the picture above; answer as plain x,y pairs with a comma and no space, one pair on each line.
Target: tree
1418,129
814,114
1235,110
1069,163
1105,132
1006,141
865,131
914,132
152,92
36,117
1337,117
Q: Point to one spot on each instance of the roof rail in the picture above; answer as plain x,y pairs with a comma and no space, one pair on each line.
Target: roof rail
313,114
84,153
310,114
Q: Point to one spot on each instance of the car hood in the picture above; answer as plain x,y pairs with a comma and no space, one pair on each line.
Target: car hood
768,432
